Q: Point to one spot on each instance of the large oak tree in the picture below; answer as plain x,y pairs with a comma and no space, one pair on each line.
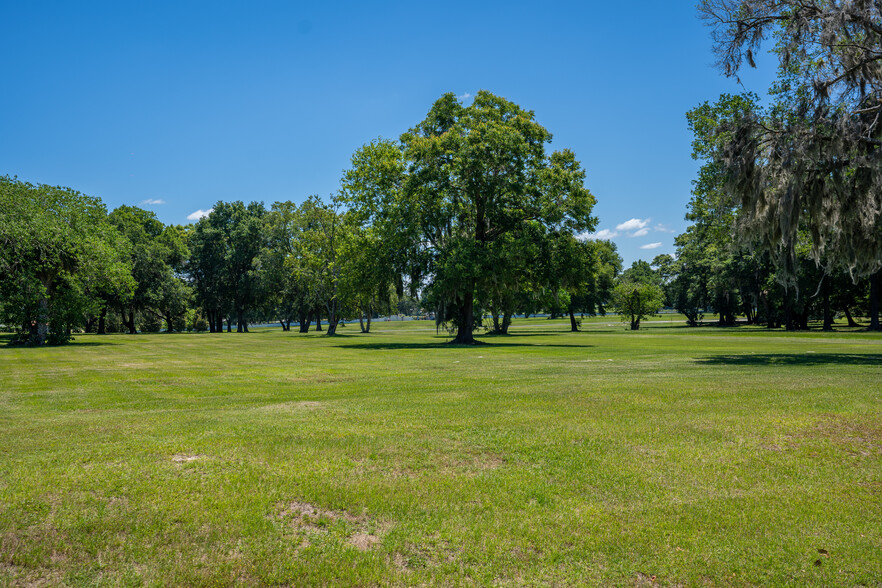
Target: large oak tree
476,176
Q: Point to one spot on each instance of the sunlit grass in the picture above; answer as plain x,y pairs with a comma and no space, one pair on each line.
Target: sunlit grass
695,456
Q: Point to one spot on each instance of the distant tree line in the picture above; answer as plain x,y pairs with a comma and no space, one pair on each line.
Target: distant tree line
465,216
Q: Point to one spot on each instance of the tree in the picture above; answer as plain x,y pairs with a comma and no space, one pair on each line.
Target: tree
319,257
637,300
475,176
57,255
381,242
813,161
584,271
282,291
157,257
225,245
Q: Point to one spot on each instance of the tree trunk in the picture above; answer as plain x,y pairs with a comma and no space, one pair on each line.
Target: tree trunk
361,322
229,324
318,321
129,320
506,322
748,312
849,318
574,326
39,328
635,324
874,301
465,328
102,321
219,327
333,319
304,319
370,312
828,316
788,313
241,323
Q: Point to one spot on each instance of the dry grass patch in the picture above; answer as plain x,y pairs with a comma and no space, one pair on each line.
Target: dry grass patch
185,458
857,435
359,531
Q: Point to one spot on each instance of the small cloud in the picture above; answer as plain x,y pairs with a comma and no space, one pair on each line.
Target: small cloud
651,245
152,201
601,235
465,96
641,233
199,214
663,228
632,225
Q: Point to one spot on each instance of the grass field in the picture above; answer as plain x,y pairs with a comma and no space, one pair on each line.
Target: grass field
670,456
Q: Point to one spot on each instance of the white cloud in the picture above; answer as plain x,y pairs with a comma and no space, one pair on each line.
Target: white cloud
663,228
601,235
199,214
632,225
641,233
651,245
465,96
150,201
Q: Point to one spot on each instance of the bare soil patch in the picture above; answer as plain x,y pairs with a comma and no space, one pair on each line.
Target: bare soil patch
185,458
360,531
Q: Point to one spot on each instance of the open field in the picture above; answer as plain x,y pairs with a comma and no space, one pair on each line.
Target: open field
671,456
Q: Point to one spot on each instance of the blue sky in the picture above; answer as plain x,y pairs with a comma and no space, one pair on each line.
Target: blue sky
173,106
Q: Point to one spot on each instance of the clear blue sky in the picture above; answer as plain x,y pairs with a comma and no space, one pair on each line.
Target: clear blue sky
188,103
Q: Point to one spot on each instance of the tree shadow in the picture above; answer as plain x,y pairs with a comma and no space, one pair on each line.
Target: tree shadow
496,342
10,342
794,359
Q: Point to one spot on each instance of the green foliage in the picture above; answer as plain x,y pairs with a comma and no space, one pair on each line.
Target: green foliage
637,295
58,256
467,191
158,253
225,246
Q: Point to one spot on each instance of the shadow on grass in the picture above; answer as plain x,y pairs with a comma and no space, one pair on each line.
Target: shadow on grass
801,359
9,342
494,342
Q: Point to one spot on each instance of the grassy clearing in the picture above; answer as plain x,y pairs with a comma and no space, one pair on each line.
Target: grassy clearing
670,456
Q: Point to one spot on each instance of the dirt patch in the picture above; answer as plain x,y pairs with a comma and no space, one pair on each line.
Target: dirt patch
478,462
645,579
304,514
360,531
364,541
185,458
30,577
433,552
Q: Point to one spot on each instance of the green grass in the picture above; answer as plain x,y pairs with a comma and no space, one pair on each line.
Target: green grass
673,456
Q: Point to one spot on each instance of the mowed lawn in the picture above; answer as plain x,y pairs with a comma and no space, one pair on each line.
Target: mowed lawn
670,457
